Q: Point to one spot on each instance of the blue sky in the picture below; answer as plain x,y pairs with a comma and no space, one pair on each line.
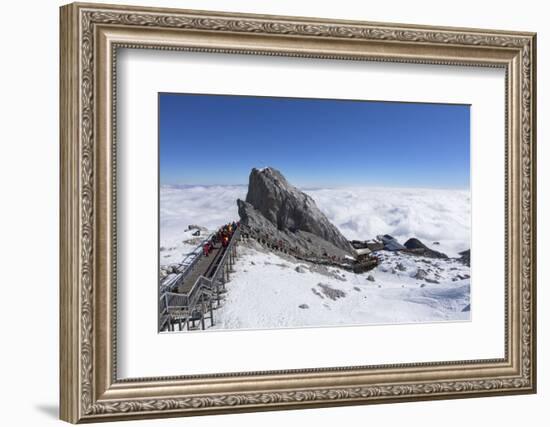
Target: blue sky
213,139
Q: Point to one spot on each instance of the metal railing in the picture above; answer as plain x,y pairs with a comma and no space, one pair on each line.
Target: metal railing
184,307
171,282
206,289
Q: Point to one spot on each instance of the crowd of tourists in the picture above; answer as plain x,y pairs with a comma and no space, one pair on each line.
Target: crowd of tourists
221,237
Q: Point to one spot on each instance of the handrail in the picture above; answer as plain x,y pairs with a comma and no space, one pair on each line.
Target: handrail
190,299
175,281
221,263
197,252
234,238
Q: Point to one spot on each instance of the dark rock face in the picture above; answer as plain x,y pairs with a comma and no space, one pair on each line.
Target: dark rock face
465,257
416,247
414,243
288,208
390,243
275,207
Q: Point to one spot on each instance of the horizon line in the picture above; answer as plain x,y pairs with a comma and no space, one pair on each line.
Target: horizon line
323,187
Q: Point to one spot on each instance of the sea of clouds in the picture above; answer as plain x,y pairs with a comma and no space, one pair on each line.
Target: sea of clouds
431,215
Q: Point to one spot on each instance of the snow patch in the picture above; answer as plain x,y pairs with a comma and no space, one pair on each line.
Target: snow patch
270,290
265,293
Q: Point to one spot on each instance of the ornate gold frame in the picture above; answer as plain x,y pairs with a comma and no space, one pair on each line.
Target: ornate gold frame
90,36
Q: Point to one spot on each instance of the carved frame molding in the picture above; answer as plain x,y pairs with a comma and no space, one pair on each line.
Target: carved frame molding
90,36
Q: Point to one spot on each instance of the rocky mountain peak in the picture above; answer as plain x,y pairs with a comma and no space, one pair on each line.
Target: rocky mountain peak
290,211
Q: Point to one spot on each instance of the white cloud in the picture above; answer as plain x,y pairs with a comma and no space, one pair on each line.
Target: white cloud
360,213
430,215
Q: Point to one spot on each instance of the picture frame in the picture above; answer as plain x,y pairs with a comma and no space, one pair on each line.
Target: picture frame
91,36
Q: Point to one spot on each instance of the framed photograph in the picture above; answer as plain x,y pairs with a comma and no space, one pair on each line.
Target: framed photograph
266,212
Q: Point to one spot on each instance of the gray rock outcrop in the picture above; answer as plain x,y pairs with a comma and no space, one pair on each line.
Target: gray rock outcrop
465,257
416,247
414,243
283,213
390,243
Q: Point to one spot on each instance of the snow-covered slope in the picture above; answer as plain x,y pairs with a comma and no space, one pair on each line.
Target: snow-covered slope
271,290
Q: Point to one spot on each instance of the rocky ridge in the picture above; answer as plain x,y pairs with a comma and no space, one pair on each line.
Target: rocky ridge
275,208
